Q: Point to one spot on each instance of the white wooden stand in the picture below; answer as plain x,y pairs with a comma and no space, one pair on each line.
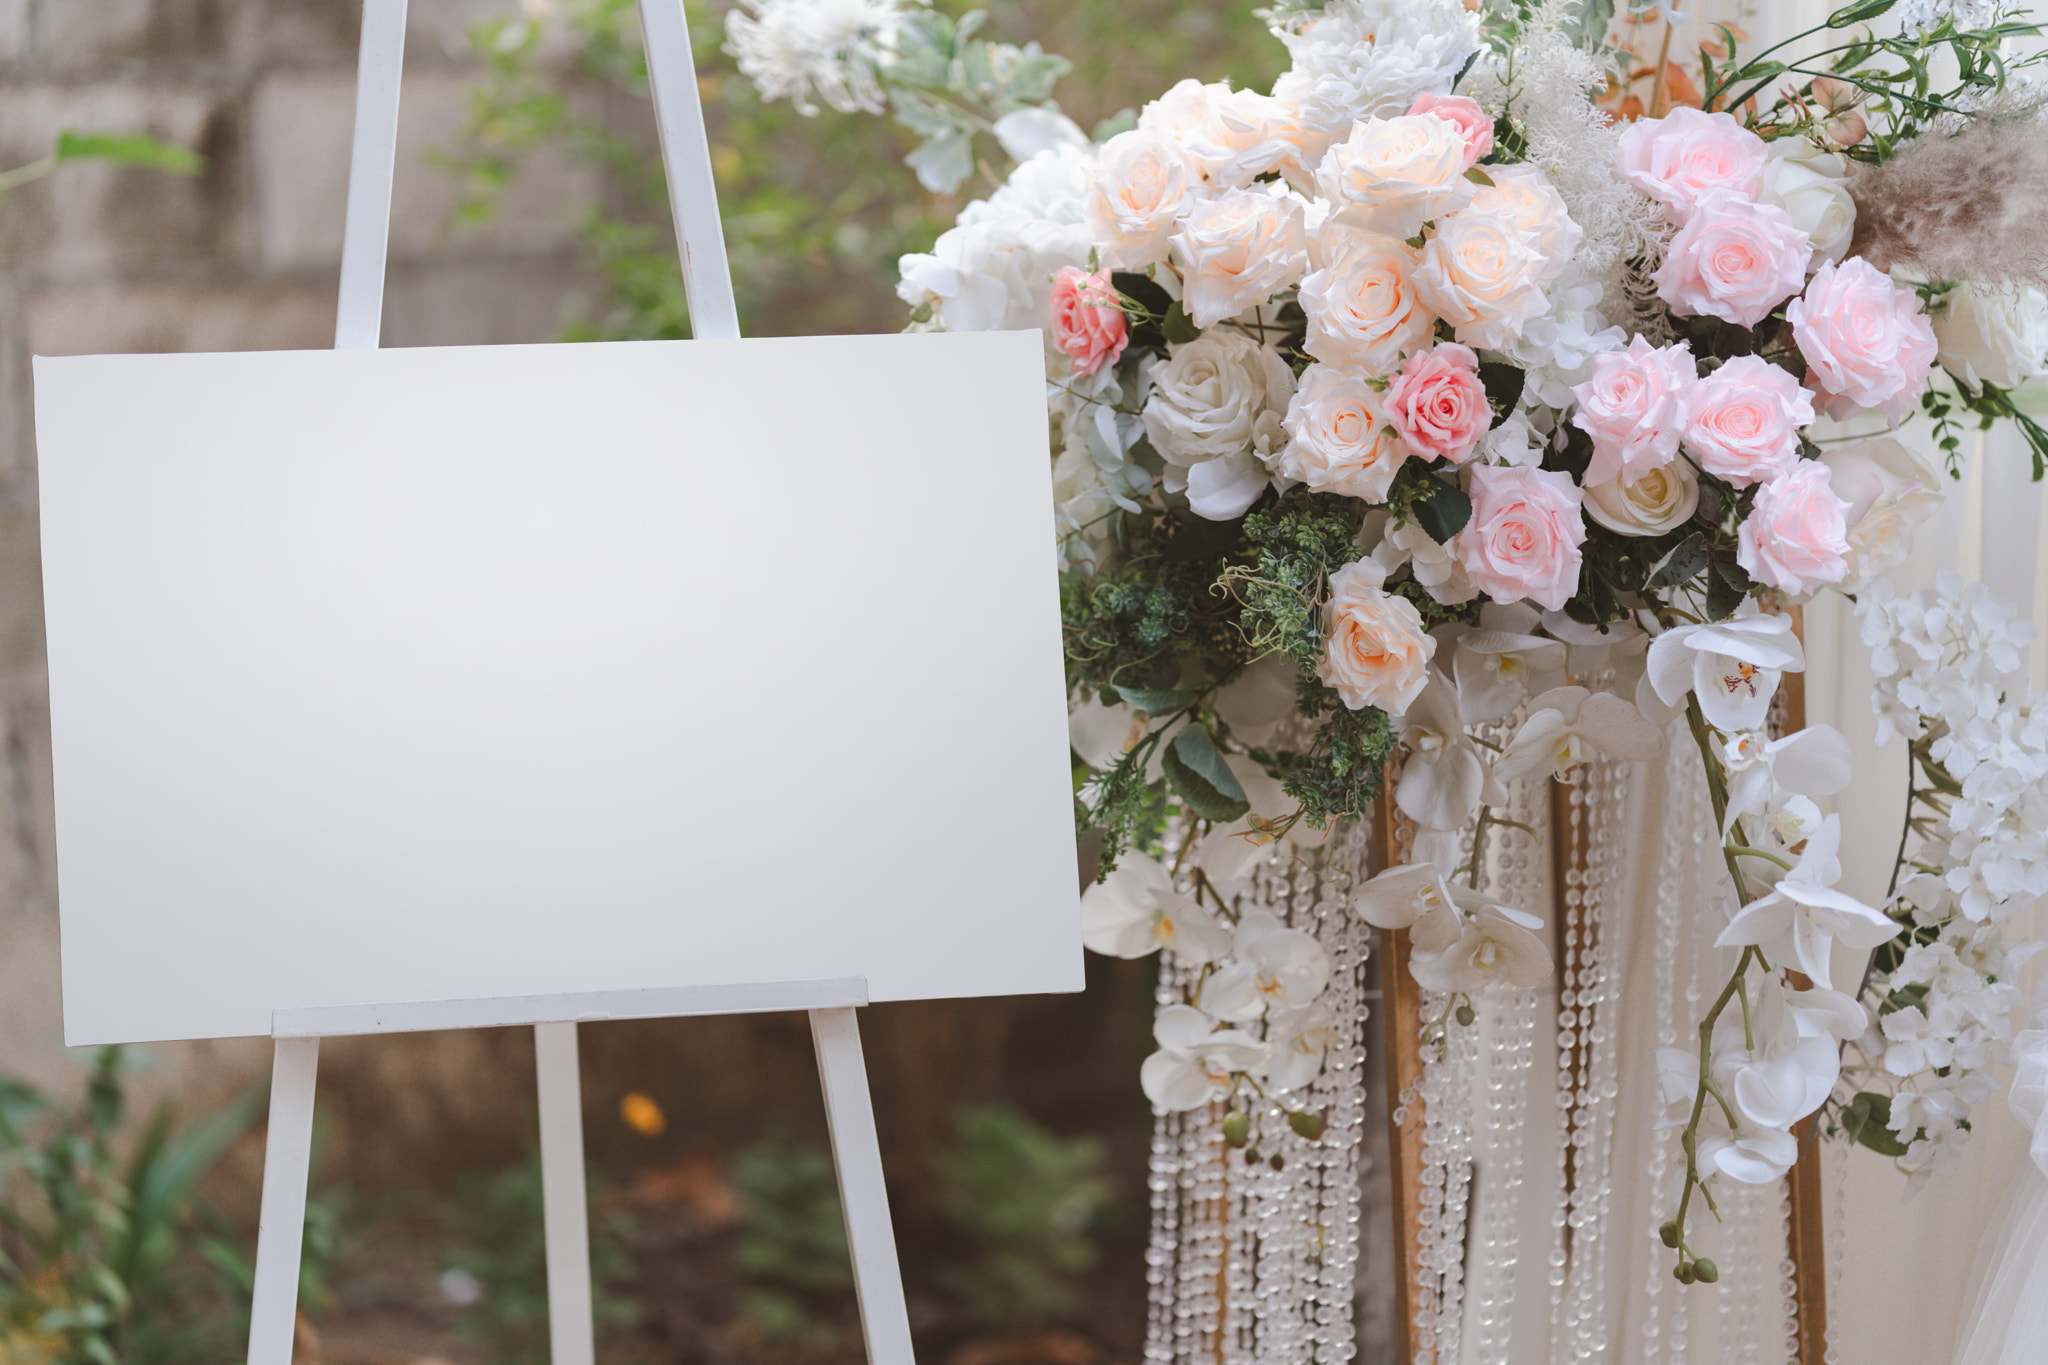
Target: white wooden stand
878,1282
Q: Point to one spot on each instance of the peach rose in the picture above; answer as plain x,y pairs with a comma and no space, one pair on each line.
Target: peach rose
1525,196
1867,341
1524,537
1682,158
1634,407
1375,651
1236,250
1362,307
1734,260
1745,421
1483,275
1087,319
1339,438
1438,404
1395,174
1795,537
1142,186
1655,501
1462,112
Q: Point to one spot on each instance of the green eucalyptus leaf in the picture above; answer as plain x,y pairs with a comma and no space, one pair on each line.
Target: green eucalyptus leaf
1199,776
1479,177
1868,1120
1859,13
1152,703
1179,328
1444,512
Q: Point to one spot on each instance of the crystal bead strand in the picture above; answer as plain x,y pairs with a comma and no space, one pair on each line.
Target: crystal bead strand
1664,1175
1607,793
1571,901
1836,1155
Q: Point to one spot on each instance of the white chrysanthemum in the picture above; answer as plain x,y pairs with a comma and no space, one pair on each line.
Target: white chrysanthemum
1360,58
992,271
788,48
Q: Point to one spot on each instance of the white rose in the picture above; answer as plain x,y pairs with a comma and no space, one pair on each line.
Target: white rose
1525,196
1362,307
1215,416
1236,250
1340,440
1480,273
1992,335
1141,188
1652,503
1392,175
1813,186
1433,565
1889,491
993,269
1251,134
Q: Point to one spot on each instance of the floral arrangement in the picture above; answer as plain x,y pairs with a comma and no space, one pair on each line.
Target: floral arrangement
1449,391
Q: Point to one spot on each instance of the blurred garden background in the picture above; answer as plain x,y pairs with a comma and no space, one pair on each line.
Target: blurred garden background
529,207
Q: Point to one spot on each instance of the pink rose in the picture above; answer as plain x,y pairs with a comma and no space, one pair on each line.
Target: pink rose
1438,404
1634,407
1867,341
1524,536
1745,421
1734,260
1475,129
1682,158
1795,537
1087,318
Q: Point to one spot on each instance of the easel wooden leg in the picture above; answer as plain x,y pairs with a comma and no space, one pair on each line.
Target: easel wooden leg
572,1335
281,1231
857,1154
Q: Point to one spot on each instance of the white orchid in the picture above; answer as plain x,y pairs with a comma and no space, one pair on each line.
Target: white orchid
1754,1156
1414,897
1272,967
1496,943
1678,1071
1813,762
1804,914
1732,666
1502,660
1296,1042
1444,777
1195,1061
1778,1061
1569,725
1135,911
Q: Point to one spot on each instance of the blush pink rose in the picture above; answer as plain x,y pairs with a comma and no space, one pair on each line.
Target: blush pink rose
1087,319
1462,112
1868,342
1734,260
1681,159
1795,537
1745,421
1634,407
1524,537
1438,404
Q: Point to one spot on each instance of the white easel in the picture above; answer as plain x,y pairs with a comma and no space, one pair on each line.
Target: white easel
297,1033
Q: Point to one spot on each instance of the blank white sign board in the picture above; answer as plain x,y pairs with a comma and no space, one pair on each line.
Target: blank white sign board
433,674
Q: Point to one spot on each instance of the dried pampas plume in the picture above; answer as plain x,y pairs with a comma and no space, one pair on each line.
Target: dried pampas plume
1965,205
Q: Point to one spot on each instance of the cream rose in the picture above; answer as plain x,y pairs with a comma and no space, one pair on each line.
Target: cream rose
1990,335
1889,492
1375,651
1655,501
1236,250
1392,175
1795,536
1214,415
1812,186
1340,440
1483,275
1525,197
1362,307
1142,186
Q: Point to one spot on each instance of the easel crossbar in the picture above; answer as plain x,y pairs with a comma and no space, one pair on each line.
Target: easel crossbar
418,1016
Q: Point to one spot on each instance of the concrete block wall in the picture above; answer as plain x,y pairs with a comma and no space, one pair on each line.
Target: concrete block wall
243,256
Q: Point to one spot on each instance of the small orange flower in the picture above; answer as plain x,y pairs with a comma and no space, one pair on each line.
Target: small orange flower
643,1115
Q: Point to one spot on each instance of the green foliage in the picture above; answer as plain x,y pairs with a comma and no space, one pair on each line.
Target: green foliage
1196,772
1340,775
121,149
1867,1121
1024,1198
1137,623
500,1239
105,1258
1292,549
793,1238
946,86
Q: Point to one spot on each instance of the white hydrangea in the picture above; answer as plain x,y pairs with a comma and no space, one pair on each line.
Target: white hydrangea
788,48
1363,58
1556,350
992,270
